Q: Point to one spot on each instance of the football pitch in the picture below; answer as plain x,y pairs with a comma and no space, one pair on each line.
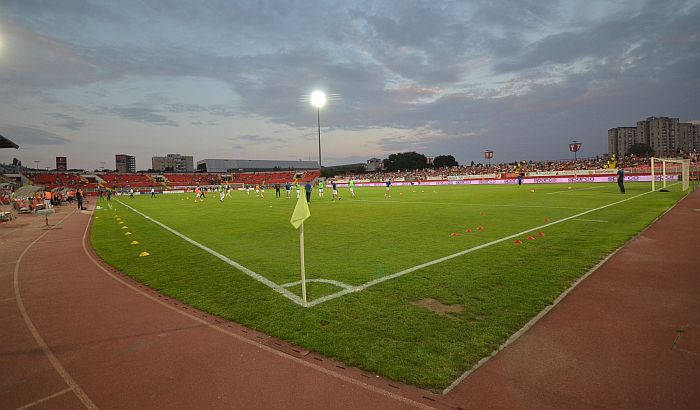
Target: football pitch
417,287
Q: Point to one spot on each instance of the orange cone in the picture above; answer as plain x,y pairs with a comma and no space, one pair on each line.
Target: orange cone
454,234
530,238
468,230
540,233
517,242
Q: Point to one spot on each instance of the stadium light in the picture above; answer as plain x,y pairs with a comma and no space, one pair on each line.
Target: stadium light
318,100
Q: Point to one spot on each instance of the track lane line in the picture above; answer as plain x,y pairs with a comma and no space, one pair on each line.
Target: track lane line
72,384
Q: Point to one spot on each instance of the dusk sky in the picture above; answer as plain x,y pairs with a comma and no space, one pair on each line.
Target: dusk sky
231,79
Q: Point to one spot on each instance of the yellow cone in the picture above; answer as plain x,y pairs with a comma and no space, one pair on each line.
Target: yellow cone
127,233
144,254
134,242
125,227
120,222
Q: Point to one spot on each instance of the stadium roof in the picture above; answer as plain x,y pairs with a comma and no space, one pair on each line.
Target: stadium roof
5,143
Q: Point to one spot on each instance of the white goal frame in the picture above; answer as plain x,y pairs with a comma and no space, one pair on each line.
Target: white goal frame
685,172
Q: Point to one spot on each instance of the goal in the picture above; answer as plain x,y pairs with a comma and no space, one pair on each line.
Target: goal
669,172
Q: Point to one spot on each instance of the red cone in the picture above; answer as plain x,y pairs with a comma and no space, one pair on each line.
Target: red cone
454,234
540,233
468,230
530,238
481,228
517,241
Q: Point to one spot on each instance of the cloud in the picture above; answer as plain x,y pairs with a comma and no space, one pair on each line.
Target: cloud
33,136
254,139
138,112
68,122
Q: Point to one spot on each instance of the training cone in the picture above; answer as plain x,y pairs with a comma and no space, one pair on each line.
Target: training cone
517,242
482,213
532,190
120,222
127,233
481,228
468,231
454,234
134,242
540,233
125,227
144,254
530,238
547,219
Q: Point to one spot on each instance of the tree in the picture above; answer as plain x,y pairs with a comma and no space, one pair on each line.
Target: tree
444,161
405,161
640,149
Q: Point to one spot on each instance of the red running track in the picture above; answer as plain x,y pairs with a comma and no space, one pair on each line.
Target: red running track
78,335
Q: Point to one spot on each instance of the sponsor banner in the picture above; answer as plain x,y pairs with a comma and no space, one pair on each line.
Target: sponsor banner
527,180
175,191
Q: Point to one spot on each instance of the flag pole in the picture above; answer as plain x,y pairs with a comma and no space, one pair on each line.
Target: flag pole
303,272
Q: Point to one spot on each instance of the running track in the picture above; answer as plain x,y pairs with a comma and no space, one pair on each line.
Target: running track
75,334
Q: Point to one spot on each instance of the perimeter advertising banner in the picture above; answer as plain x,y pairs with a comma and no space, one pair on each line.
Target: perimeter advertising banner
528,180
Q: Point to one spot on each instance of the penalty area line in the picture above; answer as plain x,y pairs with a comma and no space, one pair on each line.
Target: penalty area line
277,288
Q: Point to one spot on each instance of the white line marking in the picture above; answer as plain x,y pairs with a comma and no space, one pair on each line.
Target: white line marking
515,336
277,288
35,333
589,220
330,281
36,402
252,342
454,255
468,204
7,299
349,289
574,190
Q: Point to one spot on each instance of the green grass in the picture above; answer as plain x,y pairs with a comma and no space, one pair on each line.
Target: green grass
378,329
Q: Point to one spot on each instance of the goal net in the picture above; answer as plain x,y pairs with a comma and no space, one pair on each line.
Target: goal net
670,174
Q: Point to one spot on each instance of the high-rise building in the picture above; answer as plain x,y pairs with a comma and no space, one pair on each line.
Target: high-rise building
620,140
666,136
125,163
689,137
173,163
61,163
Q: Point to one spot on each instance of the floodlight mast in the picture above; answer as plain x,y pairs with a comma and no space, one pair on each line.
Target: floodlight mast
318,100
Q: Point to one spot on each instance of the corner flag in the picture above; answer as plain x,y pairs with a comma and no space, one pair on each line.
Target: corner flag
301,212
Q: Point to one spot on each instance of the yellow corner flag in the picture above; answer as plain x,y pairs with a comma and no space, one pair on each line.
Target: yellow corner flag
301,212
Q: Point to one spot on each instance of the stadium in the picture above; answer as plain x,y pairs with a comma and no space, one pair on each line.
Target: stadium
416,235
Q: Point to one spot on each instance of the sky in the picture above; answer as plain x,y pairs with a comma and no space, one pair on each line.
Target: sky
232,79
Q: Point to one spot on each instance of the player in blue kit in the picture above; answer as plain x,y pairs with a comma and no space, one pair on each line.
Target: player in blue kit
388,187
335,190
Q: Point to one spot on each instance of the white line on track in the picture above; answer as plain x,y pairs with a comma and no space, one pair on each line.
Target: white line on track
72,384
250,341
350,289
277,288
467,204
576,190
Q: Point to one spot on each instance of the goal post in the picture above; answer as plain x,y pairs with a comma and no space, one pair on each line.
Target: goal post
670,171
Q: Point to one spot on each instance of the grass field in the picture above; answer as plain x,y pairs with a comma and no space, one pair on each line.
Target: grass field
423,326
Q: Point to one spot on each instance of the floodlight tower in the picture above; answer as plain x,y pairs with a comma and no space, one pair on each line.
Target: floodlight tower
318,100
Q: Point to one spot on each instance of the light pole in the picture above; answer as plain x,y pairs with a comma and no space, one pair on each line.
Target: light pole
37,165
318,100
